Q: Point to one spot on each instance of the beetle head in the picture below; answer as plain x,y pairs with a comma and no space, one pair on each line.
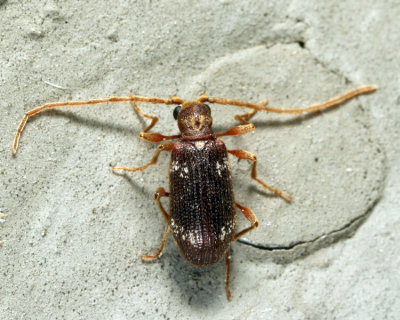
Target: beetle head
194,120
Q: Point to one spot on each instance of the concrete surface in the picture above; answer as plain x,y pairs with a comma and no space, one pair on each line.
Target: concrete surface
71,232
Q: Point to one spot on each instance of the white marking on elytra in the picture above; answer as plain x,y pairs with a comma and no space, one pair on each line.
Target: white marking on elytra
221,167
191,238
222,236
174,166
175,228
226,230
181,169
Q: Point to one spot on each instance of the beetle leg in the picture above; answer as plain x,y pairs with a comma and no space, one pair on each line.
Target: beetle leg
71,104
160,192
246,127
243,154
244,117
166,146
228,273
237,130
249,214
151,136
158,253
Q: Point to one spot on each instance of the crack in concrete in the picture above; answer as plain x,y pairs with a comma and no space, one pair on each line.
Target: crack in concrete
332,237
352,224
290,30
324,65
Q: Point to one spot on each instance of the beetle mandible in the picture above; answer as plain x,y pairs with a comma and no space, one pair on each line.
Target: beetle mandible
202,214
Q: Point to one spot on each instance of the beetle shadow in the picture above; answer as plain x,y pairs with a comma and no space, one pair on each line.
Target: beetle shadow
265,193
138,187
93,123
293,119
200,286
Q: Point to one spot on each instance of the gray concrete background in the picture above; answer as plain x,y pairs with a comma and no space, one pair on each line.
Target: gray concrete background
71,232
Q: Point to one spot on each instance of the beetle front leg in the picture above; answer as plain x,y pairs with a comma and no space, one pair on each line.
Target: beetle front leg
237,130
243,154
166,146
151,136
160,192
244,117
245,127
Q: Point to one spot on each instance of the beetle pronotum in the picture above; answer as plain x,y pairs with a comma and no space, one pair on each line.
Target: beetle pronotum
202,214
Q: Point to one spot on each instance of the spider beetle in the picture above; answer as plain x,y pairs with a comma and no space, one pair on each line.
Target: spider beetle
202,213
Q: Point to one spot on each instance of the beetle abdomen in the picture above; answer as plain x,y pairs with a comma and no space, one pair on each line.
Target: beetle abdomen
203,217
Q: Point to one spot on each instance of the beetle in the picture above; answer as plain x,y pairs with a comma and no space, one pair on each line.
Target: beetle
202,207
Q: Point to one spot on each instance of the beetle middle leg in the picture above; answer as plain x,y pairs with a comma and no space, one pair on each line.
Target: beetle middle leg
250,215
243,154
166,146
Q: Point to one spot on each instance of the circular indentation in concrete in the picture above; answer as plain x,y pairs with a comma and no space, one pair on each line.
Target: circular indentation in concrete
329,162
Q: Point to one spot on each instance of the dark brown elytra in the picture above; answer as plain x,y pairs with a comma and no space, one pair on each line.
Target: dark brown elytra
202,214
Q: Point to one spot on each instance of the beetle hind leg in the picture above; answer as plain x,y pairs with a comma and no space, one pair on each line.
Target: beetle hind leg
228,273
160,192
162,246
249,214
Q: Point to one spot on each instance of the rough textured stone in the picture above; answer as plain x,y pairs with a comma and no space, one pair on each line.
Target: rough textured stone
71,232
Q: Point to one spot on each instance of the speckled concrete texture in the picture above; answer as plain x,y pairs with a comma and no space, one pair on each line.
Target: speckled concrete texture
72,232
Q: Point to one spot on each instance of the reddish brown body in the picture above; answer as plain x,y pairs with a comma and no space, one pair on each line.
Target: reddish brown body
202,209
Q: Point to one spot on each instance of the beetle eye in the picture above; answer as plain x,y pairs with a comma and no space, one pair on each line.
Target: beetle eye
176,112
208,107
